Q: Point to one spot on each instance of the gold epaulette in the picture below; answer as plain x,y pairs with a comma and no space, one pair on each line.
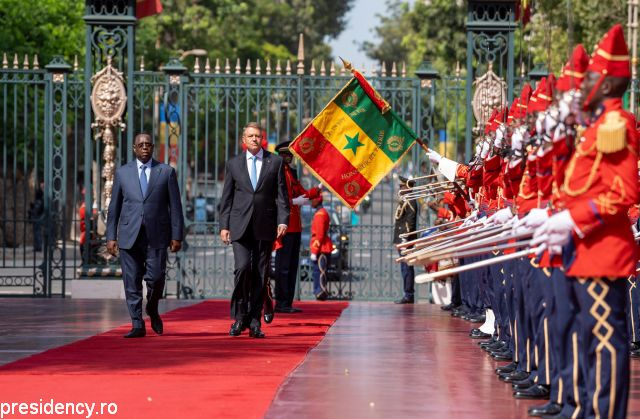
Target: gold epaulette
612,133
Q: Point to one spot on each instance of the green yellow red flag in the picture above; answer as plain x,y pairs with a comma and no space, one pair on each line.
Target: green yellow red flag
354,142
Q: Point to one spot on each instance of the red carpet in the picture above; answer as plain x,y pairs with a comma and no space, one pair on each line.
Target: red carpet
195,370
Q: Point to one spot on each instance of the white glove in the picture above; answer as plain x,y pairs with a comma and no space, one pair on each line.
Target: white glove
314,257
300,200
486,146
434,156
517,139
471,218
560,132
550,121
499,137
320,185
500,217
478,148
555,232
540,123
564,107
534,219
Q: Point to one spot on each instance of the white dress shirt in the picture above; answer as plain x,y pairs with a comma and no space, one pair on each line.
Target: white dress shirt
147,172
249,157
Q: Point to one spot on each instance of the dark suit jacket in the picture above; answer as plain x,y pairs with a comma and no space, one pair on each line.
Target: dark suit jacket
160,211
265,208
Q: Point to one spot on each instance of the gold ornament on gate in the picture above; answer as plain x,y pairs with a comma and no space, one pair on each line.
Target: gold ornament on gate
108,101
490,93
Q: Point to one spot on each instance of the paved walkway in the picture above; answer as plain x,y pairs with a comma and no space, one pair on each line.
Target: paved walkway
379,360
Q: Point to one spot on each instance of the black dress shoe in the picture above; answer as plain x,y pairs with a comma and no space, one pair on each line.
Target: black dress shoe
237,328
523,385
514,376
255,332
268,318
635,353
478,318
507,369
550,408
136,332
497,347
479,334
449,307
322,295
404,300
502,356
634,345
458,312
156,321
288,310
539,391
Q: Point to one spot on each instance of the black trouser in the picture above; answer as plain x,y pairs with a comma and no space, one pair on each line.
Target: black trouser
138,263
602,347
251,259
456,298
287,261
633,308
408,279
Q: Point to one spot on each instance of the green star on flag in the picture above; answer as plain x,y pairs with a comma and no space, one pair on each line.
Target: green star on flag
353,143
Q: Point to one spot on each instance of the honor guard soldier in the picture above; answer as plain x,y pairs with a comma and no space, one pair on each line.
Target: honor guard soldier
288,256
598,246
405,222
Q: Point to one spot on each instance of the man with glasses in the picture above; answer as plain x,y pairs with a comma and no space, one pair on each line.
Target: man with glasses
144,218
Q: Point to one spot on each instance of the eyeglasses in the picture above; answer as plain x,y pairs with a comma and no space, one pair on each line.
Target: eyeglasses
144,145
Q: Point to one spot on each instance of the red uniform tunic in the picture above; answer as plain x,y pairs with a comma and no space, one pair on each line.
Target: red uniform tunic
320,240
544,177
295,189
600,185
528,196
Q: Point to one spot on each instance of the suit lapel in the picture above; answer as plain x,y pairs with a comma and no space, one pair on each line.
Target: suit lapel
156,169
266,160
245,169
135,176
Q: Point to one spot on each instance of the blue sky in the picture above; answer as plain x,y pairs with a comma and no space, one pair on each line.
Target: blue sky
360,24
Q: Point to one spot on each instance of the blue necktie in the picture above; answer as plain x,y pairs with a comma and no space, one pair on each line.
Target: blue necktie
254,172
143,180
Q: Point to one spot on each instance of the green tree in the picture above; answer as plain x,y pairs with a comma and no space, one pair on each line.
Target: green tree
232,29
43,27
432,31
557,26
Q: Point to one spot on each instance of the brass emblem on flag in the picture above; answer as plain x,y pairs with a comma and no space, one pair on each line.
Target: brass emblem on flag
307,145
351,188
395,143
350,99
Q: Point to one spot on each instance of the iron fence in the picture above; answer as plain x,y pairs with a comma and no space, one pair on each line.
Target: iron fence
196,118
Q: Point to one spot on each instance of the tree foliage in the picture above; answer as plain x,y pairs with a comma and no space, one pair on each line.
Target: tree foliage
431,31
251,29
42,27
435,30
557,26
224,28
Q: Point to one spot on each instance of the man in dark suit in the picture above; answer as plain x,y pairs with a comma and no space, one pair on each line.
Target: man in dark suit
145,217
254,211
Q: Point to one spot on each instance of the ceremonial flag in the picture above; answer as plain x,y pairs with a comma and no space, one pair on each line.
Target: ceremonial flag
354,142
146,8
523,12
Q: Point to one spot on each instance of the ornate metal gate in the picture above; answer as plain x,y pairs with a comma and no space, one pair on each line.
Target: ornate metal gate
195,116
